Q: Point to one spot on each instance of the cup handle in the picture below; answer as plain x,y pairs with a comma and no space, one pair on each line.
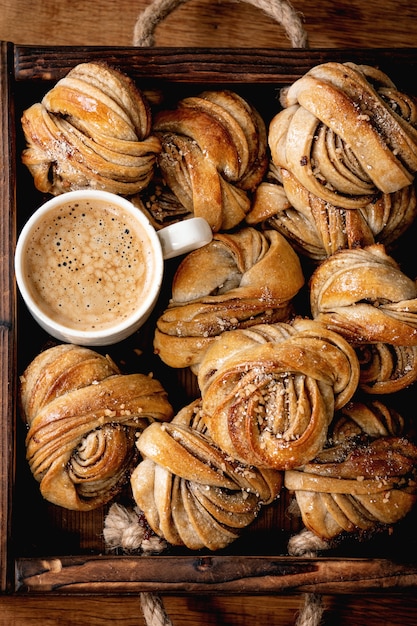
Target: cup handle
185,236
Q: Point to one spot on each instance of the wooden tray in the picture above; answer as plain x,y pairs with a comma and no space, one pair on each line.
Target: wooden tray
47,549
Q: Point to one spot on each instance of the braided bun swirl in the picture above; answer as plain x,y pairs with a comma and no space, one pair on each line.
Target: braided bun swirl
346,133
92,129
83,417
386,368
269,392
318,229
238,280
364,479
190,491
214,151
364,295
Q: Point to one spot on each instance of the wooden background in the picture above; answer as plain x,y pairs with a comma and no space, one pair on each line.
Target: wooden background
330,24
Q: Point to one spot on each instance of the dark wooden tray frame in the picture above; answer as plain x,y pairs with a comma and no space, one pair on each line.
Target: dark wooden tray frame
200,574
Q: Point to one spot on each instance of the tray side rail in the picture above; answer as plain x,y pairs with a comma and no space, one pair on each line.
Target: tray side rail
212,575
8,311
117,574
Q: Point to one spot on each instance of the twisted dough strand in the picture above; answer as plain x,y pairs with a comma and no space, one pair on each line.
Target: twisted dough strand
92,129
238,280
213,153
386,368
342,134
364,479
318,229
83,418
364,295
57,370
269,392
190,491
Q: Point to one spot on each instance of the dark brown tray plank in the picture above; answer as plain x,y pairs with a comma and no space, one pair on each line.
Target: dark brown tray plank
7,315
28,70
201,65
215,575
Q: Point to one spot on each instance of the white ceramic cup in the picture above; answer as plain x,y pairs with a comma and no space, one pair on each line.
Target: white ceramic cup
89,265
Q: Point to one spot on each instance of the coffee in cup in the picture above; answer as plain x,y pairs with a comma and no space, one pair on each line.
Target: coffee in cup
89,265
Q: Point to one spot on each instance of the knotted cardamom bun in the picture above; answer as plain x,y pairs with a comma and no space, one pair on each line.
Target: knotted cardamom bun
346,133
364,479
92,129
269,198
318,229
364,295
269,392
191,492
238,280
214,151
83,419
160,205
386,368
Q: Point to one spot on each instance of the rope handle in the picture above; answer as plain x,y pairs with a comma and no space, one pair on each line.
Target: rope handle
281,11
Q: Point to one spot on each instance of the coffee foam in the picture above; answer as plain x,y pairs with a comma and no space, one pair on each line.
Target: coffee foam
89,265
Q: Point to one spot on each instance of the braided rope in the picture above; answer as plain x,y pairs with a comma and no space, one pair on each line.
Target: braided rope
153,610
308,544
280,10
312,610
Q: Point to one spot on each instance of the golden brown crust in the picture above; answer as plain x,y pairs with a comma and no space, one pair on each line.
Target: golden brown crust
92,129
364,295
342,134
238,280
269,392
190,491
57,370
317,228
364,478
213,154
83,418
386,368
269,198
160,205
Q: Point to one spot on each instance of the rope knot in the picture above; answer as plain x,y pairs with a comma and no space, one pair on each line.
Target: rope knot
128,530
